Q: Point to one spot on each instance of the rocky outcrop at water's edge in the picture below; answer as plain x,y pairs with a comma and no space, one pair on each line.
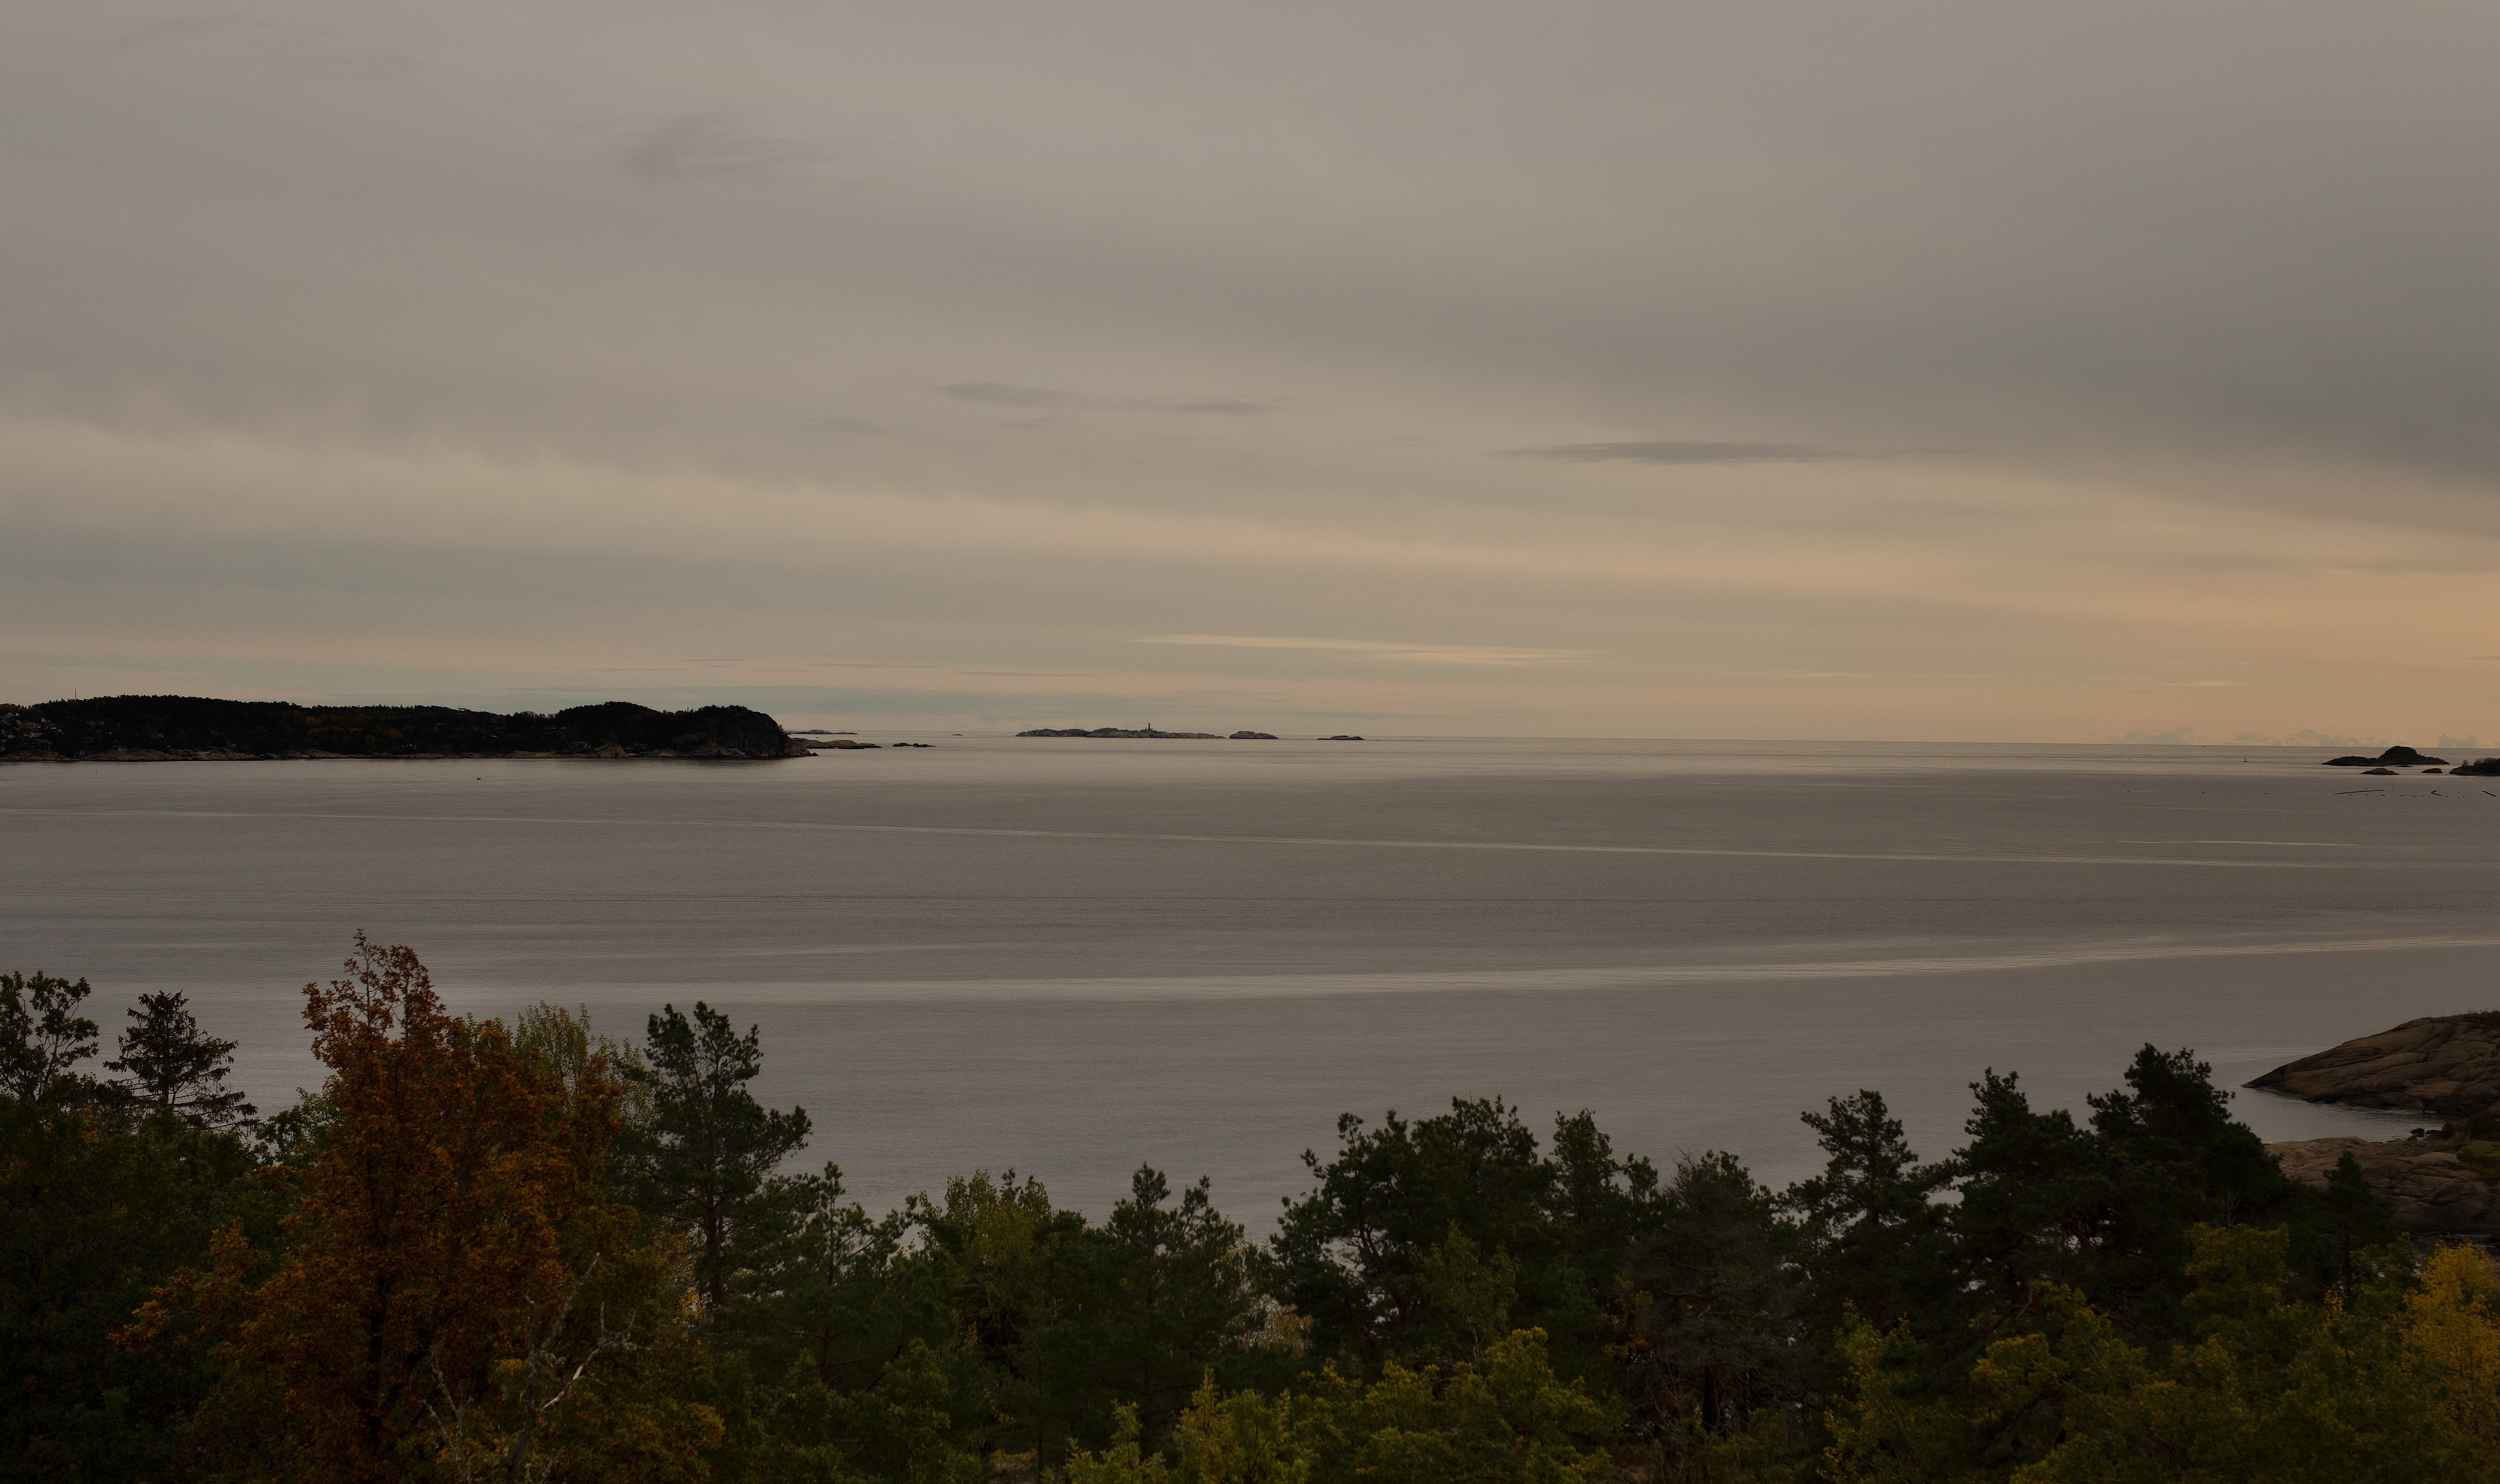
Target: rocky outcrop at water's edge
2445,1183
2449,1065
2439,1188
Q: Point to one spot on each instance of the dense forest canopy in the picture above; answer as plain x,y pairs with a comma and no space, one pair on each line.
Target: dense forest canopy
199,725
526,1250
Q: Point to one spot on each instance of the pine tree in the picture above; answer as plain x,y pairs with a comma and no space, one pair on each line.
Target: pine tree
706,1159
173,1065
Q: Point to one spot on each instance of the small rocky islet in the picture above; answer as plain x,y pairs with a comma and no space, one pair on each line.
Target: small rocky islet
2387,761
1149,731
2442,1182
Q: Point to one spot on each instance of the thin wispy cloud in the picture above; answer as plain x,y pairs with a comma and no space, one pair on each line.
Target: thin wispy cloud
1389,649
865,665
708,145
1680,452
1048,399
1869,674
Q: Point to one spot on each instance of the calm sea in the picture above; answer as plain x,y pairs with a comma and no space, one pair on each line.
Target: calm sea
1072,956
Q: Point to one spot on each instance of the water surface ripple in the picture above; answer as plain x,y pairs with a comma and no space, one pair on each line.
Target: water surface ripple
1070,956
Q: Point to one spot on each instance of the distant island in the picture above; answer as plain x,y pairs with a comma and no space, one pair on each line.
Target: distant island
2393,757
1148,731
1121,732
143,729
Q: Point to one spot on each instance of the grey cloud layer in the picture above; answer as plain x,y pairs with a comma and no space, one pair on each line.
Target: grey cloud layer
2253,230
1508,331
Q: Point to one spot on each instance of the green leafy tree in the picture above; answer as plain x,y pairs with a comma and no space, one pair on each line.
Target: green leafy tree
1144,1306
1873,1231
2172,1115
1351,1256
705,1160
2175,1159
172,1065
1710,1335
1241,1437
2355,1218
1124,1462
998,1243
97,1209
576,1052
900,1431
1503,1419
835,1290
2036,1202
2262,1389
1469,1298
43,1037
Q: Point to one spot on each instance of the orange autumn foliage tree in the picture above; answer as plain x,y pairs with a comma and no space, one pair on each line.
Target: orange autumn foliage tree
455,1297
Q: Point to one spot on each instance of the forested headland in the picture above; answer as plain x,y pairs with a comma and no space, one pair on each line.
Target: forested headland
524,1249
156,728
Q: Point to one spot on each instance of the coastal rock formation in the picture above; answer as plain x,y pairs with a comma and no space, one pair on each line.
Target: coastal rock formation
2487,767
1121,732
2438,1188
147,729
1340,737
2393,757
2447,1065
1252,737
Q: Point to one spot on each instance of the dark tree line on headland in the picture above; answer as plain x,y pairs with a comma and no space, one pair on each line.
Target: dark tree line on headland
522,1250
187,726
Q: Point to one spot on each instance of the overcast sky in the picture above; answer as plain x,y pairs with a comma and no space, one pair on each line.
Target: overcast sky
1844,371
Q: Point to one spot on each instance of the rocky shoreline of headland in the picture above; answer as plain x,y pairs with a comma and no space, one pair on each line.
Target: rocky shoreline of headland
2443,1182
2447,1065
152,728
